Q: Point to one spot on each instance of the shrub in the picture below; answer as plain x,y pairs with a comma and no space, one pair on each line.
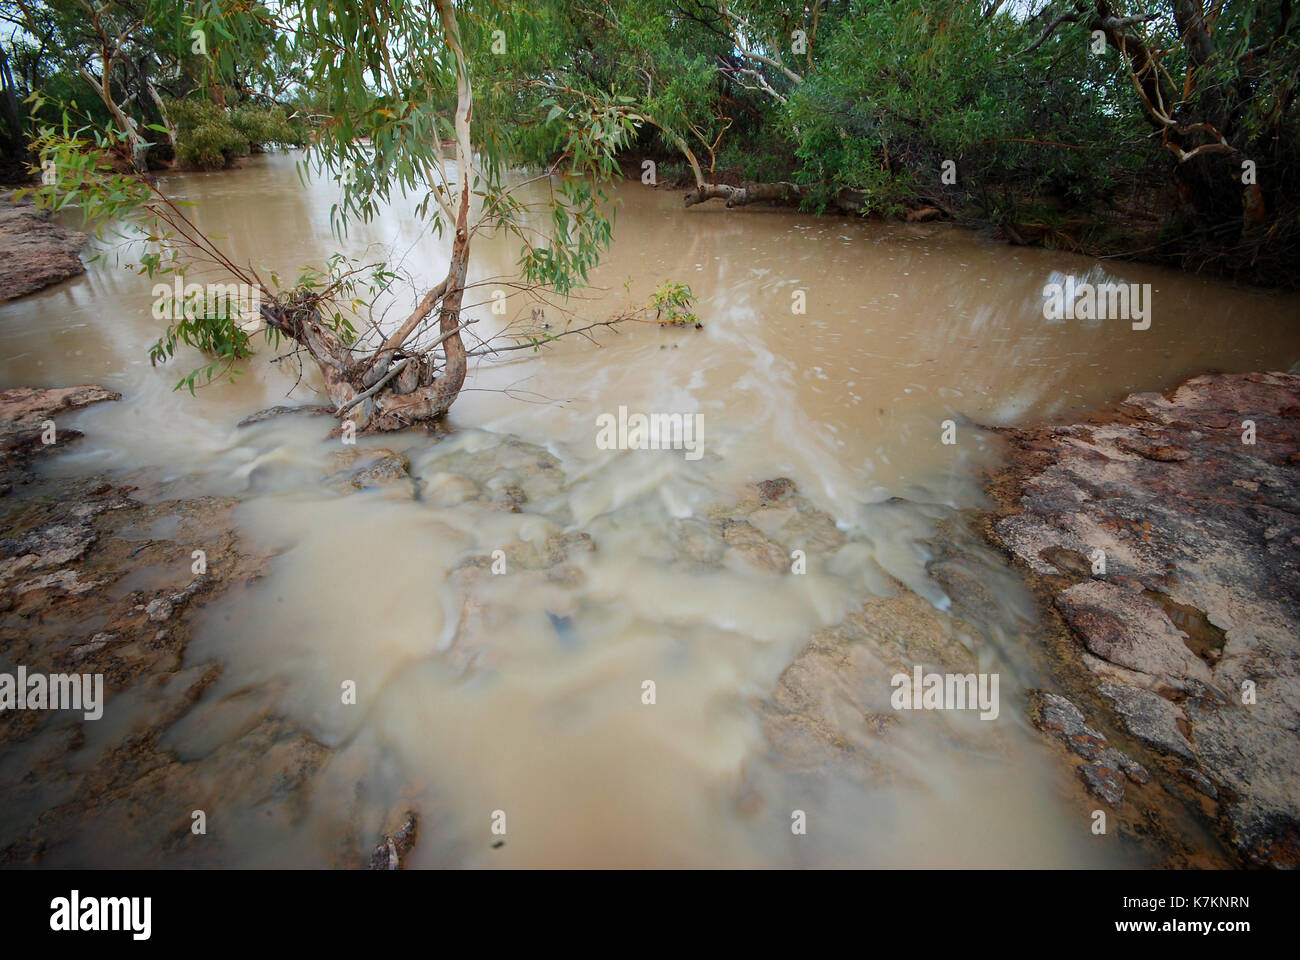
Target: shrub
210,137
265,127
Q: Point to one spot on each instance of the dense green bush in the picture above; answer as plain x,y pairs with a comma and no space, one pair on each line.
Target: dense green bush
267,127
205,137
905,87
210,137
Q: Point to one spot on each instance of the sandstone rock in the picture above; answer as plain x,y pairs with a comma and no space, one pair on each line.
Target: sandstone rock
96,643
1201,593
24,408
561,546
1201,782
159,610
748,542
770,491
387,467
120,786
1107,768
831,709
271,413
511,497
1104,780
368,467
1124,627
1059,716
34,251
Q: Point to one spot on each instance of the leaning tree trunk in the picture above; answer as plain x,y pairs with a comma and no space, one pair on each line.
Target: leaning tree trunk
396,386
162,112
417,394
136,144
1196,122
390,389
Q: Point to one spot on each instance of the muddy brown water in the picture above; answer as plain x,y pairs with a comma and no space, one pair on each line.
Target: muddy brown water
539,713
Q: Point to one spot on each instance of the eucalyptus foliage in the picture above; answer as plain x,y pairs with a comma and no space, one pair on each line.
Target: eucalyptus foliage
385,81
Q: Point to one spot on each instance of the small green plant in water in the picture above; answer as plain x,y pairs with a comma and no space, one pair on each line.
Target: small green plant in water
212,327
672,303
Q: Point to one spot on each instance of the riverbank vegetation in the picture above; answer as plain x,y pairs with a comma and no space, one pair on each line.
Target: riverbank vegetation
1165,130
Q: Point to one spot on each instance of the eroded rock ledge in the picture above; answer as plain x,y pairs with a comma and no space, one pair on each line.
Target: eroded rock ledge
34,252
1165,532
94,579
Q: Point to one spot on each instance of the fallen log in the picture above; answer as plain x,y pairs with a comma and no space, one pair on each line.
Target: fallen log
783,192
741,196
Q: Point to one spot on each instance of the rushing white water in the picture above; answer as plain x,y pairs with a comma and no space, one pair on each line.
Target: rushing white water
523,693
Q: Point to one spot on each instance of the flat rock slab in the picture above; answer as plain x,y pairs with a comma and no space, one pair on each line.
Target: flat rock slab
24,411
34,252
1125,627
271,413
1166,531
25,408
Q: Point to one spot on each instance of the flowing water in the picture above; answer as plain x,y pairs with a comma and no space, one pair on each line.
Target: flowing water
537,711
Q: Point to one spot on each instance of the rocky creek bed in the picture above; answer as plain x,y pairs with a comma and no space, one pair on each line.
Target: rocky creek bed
1147,660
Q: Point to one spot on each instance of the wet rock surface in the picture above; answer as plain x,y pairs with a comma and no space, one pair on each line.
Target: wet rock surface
1106,768
831,710
34,251
396,844
1165,532
23,408
364,468
511,474
383,468
25,413
830,715
95,580
271,413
